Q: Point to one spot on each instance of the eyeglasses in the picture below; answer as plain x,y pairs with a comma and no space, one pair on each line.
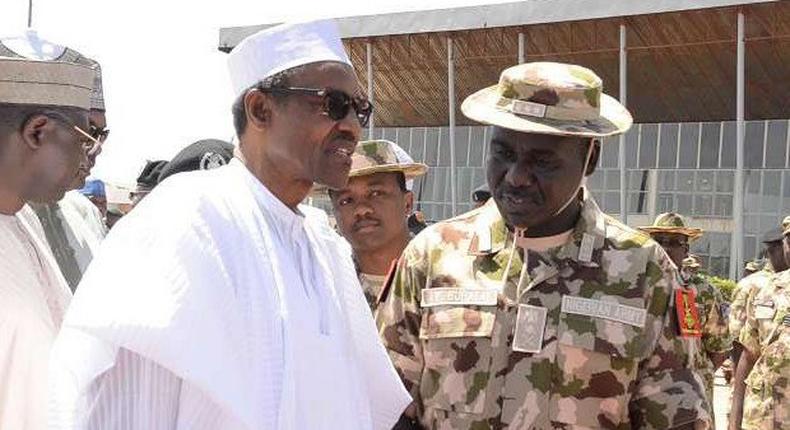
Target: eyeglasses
89,144
335,103
99,134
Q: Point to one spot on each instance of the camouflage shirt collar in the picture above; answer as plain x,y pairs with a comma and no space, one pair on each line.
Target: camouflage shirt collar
491,233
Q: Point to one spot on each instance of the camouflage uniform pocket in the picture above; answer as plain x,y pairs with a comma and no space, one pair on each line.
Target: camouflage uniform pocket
597,365
457,353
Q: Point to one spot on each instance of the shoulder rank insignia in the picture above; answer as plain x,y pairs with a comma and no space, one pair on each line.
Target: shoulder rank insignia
688,314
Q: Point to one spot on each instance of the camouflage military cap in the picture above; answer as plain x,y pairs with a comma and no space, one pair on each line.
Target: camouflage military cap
786,225
672,223
549,98
380,156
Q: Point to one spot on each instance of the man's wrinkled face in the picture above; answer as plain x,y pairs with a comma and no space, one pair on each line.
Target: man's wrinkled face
98,121
533,176
372,211
308,142
675,245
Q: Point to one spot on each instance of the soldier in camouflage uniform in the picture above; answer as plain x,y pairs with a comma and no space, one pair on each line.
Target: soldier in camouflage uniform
761,392
372,210
672,233
537,311
746,286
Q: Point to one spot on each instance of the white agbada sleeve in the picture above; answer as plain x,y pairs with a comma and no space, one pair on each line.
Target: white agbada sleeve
33,299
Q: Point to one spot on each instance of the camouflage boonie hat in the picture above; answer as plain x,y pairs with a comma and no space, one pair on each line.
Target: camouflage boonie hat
549,98
672,223
379,156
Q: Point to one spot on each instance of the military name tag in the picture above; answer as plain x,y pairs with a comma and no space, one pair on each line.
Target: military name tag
586,248
458,296
530,324
614,311
764,311
687,312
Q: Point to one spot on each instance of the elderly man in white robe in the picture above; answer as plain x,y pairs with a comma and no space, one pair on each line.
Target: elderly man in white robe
43,123
241,312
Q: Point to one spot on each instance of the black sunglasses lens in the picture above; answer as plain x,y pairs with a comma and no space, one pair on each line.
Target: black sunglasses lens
337,104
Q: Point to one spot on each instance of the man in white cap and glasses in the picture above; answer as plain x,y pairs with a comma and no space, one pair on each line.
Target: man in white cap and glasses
536,310
241,313
372,210
43,142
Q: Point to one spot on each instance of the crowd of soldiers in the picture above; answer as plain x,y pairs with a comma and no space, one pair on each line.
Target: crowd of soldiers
535,310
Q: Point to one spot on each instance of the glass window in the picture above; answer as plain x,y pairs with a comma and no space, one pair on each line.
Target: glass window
752,198
432,146
786,193
751,224
683,203
389,133
689,144
461,146
476,146
704,182
709,152
612,180
648,145
418,145
595,182
664,203
612,202
728,145
722,205
753,145
609,154
772,182
444,147
685,181
703,205
637,203
632,146
637,180
750,248
666,180
669,146
725,182
776,152
719,244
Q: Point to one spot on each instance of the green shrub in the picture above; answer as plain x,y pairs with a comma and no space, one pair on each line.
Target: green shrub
726,286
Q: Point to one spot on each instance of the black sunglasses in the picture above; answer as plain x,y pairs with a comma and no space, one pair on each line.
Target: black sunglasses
335,103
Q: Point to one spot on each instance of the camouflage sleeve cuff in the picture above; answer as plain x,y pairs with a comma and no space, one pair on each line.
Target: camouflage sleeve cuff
669,399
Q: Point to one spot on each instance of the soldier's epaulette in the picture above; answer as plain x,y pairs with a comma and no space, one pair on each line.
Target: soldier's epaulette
385,289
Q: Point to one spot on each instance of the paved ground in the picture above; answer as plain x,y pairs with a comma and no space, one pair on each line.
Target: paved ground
721,402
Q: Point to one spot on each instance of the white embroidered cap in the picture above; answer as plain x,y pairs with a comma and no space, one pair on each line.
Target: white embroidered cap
283,47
